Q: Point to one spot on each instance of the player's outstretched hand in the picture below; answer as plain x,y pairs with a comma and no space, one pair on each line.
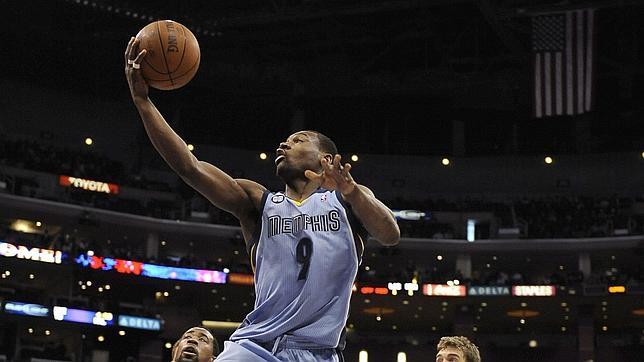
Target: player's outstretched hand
133,59
334,176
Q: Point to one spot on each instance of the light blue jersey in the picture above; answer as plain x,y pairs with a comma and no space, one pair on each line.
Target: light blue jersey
305,260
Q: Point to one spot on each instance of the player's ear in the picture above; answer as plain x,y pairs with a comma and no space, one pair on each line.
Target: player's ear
328,157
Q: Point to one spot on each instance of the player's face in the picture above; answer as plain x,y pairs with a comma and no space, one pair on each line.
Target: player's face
450,354
194,346
298,153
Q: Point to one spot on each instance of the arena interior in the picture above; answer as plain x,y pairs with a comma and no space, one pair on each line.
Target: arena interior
522,227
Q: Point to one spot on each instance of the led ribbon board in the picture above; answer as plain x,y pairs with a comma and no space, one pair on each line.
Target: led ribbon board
242,279
151,270
96,318
534,291
36,254
149,324
414,215
28,309
487,291
89,185
444,290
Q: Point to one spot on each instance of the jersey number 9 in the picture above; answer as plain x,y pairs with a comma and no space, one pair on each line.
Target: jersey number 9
303,253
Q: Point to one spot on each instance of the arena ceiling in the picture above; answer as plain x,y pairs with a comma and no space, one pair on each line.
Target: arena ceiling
277,65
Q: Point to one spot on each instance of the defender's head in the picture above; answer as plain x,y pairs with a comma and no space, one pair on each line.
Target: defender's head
195,345
457,349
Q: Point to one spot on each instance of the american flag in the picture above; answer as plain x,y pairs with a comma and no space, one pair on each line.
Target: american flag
563,47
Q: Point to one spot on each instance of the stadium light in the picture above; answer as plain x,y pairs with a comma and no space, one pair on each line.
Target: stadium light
363,356
613,289
471,230
402,357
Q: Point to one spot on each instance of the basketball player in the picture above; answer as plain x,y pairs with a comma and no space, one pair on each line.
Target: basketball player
457,349
195,345
305,243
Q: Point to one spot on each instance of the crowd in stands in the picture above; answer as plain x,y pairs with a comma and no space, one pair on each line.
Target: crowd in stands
47,157
44,157
574,216
560,216
381,268
433,273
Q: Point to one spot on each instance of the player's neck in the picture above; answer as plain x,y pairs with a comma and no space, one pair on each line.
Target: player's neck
300,190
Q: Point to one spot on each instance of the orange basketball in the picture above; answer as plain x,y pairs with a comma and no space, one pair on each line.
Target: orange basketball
172,57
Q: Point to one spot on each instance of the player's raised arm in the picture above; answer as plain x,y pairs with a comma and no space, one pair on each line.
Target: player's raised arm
217,186
372,213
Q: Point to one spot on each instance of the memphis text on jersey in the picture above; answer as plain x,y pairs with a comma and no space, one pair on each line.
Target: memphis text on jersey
325,222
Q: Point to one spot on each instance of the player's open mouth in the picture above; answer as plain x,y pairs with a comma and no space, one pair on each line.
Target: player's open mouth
279,159
189,353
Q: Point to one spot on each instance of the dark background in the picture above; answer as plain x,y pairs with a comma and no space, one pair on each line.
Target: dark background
378,76
394,77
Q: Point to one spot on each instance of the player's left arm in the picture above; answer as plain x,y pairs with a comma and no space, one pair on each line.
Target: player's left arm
376,218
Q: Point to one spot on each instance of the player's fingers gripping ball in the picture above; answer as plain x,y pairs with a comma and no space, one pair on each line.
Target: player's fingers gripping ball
173,54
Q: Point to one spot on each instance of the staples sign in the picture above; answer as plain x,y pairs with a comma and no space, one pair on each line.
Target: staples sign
533,291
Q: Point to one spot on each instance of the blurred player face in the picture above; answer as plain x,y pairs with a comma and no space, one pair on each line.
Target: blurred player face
194,346
450,354
298,153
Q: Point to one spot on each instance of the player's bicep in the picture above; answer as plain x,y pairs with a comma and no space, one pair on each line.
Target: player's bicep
219,188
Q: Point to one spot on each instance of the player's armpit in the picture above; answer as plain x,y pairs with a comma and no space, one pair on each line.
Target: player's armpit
219,188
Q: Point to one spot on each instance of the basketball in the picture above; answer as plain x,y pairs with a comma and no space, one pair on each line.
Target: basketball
172,57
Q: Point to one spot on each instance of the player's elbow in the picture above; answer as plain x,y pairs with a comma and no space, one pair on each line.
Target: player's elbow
391,237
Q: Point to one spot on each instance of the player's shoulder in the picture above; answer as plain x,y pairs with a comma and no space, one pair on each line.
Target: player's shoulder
253,189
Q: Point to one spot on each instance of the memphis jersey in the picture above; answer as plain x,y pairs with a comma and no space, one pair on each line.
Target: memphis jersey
305,260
